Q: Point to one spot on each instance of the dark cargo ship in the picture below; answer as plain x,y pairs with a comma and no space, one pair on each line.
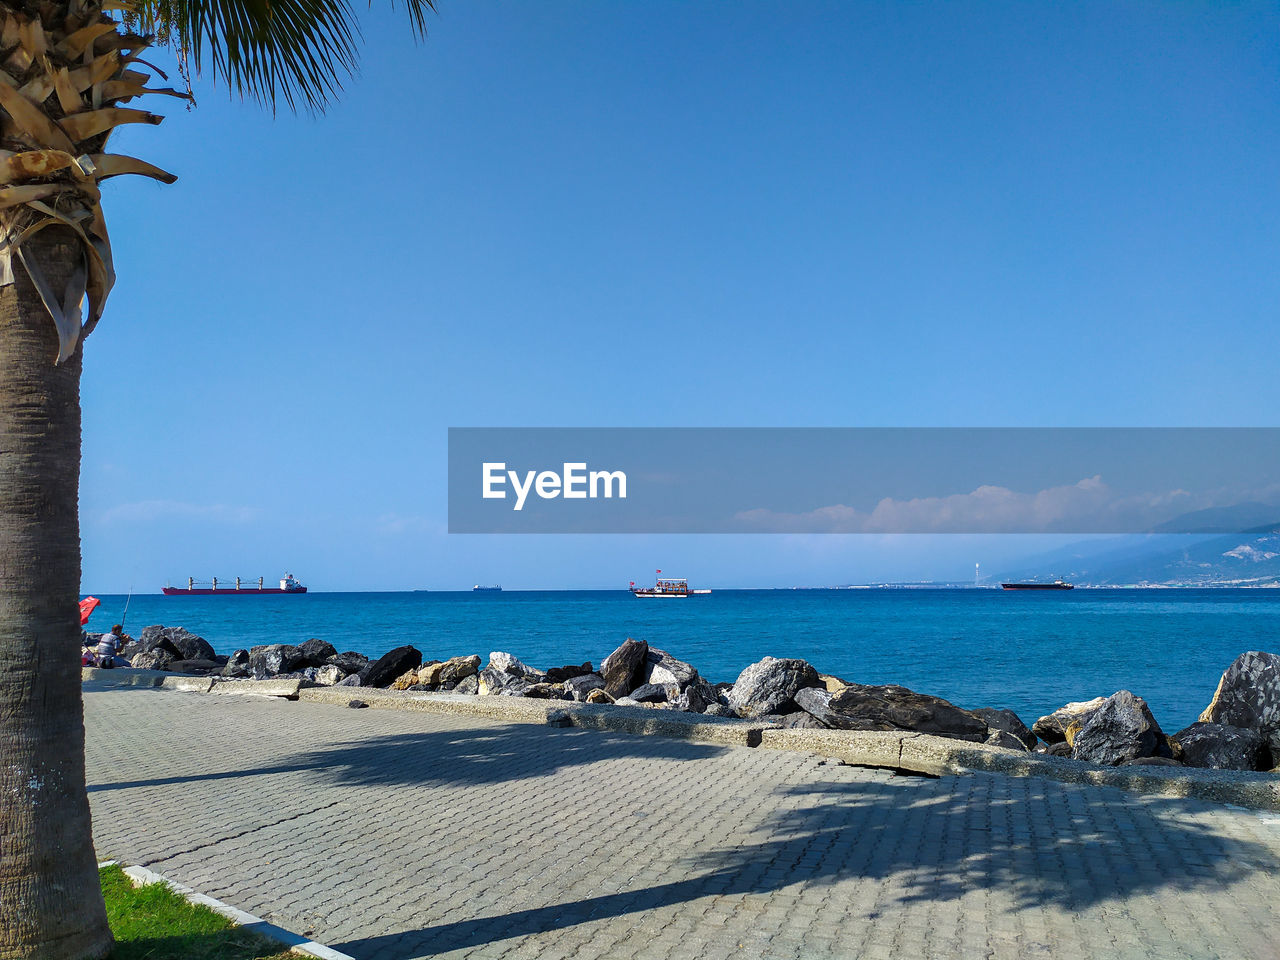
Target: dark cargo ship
1056,585
288,584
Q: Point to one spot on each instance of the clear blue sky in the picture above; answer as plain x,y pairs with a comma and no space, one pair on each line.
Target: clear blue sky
766,214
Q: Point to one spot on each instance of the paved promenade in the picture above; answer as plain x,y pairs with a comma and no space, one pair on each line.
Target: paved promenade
390,834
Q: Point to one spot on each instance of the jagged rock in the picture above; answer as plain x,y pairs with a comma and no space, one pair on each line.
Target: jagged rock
349,662
511,665
128,651
273,659
151,633
623,670
652,693
188,645
560,674
1152,762
406,680
350,680
1248,696
153,638
1003,738
317,652
1053,728
801,719
390,665
662,668
456,669
1119,730
327,675
578,687
197,667
719,710
153,660
468,685
543,691
417,688
428,675
1059,748
1006,721
695,698
890,707
832,684
1222,747
770,686
494,682
599,696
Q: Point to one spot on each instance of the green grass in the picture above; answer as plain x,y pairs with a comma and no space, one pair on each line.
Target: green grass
154,923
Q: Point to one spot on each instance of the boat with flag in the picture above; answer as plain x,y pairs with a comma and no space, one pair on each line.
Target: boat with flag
666,587
198,588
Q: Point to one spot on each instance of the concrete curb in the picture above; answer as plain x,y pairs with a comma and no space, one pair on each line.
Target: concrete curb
141,876
912,752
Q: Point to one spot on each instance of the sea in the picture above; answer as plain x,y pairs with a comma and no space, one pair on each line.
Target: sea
1030,651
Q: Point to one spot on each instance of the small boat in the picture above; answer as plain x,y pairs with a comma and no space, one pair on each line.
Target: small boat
288,584
495,588
1056,585
666,587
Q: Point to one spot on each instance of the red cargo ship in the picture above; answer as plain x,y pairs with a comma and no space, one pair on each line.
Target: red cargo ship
288,584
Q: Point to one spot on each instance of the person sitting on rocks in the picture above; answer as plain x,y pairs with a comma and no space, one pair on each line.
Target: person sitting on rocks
108,651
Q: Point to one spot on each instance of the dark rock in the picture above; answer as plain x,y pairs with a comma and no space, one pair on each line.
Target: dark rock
1151,762
695,698
623,670
273,659
128,651
459,668
356,704
222,660
468,685
160,642
1053,728
1222,747
559,718
1059,749
861,707
150,634
392,664
801,719
495,682
662,668
511,665
651,693
770,686
351,680
197,667
188,645
1119,730
317,652
1248,696
238,657
1003,738
578,687
349,662
541,690
560,674
1008,722
237,665
417,687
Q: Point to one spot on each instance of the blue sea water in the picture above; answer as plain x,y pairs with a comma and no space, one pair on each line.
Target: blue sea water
1029,651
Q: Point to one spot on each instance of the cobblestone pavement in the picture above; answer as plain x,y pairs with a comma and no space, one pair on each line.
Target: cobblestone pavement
390,834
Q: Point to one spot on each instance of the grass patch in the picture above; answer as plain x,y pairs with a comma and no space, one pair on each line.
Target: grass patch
154,923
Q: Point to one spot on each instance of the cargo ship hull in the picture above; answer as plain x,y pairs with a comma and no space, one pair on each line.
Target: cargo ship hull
1038,586
226,591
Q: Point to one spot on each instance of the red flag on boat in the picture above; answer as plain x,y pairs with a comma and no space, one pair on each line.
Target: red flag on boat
87,606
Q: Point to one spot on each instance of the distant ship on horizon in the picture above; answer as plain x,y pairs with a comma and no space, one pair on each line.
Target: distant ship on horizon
1056,585
288,584
495,588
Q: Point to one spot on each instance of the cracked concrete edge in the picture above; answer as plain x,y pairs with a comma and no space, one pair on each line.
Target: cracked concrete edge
939,756
141,876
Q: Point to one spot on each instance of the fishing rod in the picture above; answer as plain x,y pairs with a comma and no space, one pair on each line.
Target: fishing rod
124,616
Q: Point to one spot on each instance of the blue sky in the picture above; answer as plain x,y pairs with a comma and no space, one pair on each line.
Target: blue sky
568,214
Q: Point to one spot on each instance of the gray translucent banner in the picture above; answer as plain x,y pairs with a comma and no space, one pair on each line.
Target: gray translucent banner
863,480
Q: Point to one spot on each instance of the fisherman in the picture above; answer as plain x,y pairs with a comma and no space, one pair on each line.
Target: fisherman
108,651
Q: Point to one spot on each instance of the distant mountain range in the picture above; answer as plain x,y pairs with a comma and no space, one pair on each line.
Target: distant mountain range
1249,559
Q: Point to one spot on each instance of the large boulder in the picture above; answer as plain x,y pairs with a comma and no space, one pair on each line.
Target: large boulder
153,660
511,665
188,644
653,693
1222,747
495,682
383,671
154,638
349,662
317,652
623,670
456,669
1248,695
578,687
770,686
327,675
568,672
1006,721
1053,728
662,668
237,665
1121,729
272,659
890,707
468,685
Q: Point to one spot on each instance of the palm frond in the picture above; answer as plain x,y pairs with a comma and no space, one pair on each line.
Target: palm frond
298,51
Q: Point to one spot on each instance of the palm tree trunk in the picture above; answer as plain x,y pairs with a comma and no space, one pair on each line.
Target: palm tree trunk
50,901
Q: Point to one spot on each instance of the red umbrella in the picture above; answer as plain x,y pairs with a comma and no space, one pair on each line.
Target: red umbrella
87,606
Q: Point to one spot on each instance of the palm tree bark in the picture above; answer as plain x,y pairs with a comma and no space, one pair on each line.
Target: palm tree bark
50,901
